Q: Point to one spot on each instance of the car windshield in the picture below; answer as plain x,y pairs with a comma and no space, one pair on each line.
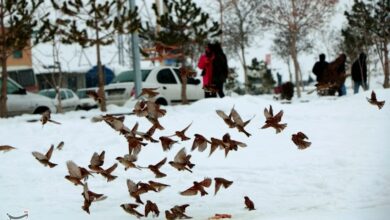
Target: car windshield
129,76
48,93
82,94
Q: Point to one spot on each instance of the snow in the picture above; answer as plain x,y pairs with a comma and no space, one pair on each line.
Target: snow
343,175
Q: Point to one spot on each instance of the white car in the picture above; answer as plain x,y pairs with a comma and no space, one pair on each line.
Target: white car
19,101
69,100
166,78
86,103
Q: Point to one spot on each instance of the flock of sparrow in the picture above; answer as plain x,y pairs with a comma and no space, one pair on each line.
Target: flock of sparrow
136,140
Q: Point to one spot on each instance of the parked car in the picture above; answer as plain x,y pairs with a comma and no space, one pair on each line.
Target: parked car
69,100
86,103
20,101
167,79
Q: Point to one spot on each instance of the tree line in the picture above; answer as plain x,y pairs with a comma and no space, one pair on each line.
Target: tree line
186,26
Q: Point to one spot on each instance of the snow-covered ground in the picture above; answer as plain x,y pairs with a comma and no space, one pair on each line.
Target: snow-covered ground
343,175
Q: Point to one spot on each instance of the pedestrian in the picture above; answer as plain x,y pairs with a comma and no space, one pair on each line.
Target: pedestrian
359,73
341,75
319,67
219,69
205,63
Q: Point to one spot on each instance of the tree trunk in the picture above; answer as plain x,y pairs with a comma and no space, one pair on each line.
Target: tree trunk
296,66
246,82
101,76
3,60
386,68
183,75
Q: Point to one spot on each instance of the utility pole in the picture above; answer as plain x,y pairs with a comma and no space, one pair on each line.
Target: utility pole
136,56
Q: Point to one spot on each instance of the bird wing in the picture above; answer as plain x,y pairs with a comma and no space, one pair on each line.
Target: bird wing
49,152
162,162
73,169
131,186
39,156
236,117
181,156
192,191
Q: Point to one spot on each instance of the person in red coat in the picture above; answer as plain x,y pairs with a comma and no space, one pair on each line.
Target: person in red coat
205,63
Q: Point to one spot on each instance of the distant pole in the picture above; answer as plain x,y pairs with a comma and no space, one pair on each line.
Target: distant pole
136,56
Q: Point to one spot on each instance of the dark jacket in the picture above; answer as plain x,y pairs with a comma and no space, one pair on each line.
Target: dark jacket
220,68
359,69
319,68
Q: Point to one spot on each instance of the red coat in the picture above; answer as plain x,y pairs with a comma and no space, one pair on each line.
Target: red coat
205,63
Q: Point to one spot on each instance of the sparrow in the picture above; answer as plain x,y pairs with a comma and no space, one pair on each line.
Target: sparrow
151,207
107,173
140,109
156,168
96,162
157,186
181,134
155,122
90,197
197,187
94,95
154,110
116,123
45,159
170,216
227,118
273,121
239,124
230,144
135,190
60,145
149,93
249,204
182,161
6,148
215,143
130,208
128,161
221,182
135,144
167,143
298,140
76,173
148,135
200,142
179,211
47,118
374,101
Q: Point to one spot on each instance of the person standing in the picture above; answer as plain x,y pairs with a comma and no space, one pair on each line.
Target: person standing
341,74
205,63
220,68
319,67
359,73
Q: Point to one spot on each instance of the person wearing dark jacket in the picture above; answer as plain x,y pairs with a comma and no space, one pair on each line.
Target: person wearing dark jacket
220,69
319,67
359,73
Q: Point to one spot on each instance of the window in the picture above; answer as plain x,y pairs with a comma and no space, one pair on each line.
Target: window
62,95
165,76
12,88
17,54
70,94
190,80
129,76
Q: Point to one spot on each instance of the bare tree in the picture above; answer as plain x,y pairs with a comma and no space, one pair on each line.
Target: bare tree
240,26
298,18
17,21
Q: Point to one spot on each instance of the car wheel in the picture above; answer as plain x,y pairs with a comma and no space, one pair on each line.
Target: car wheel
161,101
40,110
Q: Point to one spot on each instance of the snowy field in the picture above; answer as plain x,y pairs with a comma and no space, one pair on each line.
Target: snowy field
345,174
